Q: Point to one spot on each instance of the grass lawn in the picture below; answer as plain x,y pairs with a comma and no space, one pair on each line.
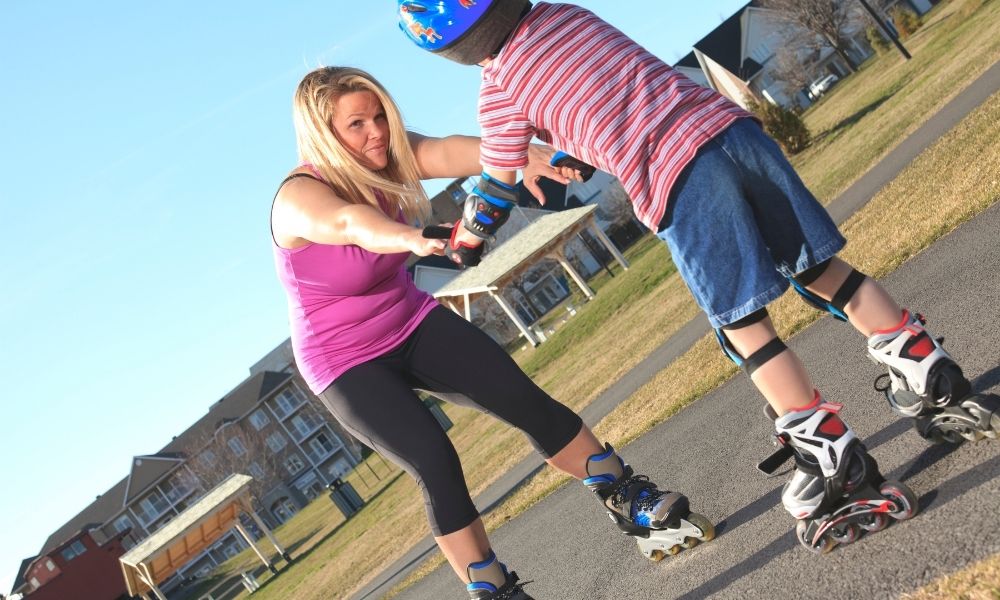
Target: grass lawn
636,311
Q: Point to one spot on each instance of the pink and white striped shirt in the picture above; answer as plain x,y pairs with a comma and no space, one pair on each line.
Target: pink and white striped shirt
581,85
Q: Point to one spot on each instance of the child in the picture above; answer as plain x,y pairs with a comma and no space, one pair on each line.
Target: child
740,225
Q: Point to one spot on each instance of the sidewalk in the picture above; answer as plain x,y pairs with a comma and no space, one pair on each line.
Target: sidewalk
850,201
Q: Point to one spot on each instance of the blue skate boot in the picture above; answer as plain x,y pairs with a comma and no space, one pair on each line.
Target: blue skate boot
490,580
659,520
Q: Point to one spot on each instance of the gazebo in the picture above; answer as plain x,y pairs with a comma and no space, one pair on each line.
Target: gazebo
546,237
200,525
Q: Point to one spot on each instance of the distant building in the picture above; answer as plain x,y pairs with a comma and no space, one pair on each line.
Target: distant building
269,427
740,55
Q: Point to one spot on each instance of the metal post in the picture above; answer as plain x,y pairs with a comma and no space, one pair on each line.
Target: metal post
513,317
249,538
885,28
577,278
609,245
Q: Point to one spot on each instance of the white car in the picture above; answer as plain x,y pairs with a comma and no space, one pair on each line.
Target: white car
821,85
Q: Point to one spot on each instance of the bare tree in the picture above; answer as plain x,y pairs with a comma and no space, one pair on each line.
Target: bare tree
788,67
828,19
616,207
236,447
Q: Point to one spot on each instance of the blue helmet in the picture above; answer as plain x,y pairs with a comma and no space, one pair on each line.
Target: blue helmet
466,31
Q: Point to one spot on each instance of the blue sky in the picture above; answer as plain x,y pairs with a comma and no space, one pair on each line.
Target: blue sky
140,145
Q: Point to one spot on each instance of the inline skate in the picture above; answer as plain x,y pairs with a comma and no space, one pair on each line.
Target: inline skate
660,521
836,491
925,384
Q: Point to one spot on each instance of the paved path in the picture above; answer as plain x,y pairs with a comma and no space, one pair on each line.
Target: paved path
708,451
841,208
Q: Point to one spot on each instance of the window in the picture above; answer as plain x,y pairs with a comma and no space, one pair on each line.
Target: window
309,485
49,564
176,487
73,550
122,523
35,584
153,505
294,464
276,441
259,419
207,459
288,400
236,445
321,445
256,471
303,425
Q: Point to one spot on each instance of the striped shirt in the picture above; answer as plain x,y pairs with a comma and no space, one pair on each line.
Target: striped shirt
579,84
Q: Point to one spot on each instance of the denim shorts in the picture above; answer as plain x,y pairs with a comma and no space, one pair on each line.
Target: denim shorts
739,222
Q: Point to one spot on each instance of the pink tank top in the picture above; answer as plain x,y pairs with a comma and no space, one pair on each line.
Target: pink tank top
346,306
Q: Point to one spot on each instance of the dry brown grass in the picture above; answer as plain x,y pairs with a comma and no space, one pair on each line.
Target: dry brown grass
951,182
870,112
980,581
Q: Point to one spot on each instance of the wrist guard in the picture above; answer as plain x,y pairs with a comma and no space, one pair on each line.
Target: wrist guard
488,207
457,252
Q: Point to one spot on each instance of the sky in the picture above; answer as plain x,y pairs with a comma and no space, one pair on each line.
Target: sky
140,146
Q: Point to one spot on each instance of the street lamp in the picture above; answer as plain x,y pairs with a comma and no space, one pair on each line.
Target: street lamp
885,28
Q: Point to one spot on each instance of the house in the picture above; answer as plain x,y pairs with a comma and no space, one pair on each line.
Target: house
79,567
268,426
742,54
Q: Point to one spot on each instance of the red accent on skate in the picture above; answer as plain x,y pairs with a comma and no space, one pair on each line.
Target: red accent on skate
922,348
832,425
906,317
815,402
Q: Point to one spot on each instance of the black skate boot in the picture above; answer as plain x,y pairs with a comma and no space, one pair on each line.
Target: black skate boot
925,384
660,520
836,491
490,580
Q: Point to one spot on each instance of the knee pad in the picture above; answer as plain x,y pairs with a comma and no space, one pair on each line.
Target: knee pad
840,299
758,358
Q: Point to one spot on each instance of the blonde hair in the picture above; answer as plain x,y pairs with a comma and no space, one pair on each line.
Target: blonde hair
312,113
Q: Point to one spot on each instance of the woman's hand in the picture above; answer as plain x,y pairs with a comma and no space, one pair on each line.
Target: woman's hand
421,246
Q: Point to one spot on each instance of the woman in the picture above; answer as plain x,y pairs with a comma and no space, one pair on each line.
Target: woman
365,337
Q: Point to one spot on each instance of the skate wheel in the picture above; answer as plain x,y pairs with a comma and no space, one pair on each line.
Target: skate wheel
902,497
825,543
847,533
994,427
702,523
873,522
656,555
690,542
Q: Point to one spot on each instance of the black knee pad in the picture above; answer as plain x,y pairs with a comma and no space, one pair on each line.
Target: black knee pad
755,317
840,299
758,358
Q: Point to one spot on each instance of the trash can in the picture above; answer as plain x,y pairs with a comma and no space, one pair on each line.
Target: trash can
345,497
435,408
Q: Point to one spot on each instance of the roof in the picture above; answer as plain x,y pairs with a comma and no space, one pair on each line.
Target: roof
99,511
724,45
21,572
509,255
188,534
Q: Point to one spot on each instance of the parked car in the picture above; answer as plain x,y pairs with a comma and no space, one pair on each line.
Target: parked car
821,85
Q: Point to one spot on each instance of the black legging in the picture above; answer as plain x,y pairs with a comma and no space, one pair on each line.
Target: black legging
454,360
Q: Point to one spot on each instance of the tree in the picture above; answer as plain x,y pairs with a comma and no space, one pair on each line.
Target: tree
828,19
615,207
213,457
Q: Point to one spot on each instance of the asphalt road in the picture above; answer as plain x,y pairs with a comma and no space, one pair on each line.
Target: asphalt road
708,451
851,200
